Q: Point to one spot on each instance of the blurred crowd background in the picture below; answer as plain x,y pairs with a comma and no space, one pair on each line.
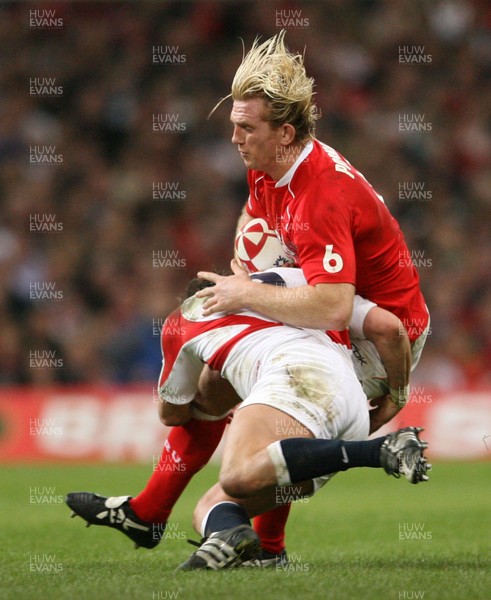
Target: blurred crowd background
88,226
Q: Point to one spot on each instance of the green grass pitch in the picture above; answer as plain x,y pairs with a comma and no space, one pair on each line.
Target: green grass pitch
364,536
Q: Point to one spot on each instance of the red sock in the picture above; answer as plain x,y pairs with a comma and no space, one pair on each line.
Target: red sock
186,450
270,527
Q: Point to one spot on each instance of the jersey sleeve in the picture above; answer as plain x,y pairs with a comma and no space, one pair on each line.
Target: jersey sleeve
361,308
324,242
179,385
181,369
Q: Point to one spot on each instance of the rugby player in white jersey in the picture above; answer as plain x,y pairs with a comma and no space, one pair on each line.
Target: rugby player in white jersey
303,377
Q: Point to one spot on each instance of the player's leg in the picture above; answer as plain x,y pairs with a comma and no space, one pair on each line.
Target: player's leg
263,451
225,522
227,516
255,506
341,434
187,449
246,465
400,452
229,540
270,526
259,455
224,519
272,412
309,394
371,330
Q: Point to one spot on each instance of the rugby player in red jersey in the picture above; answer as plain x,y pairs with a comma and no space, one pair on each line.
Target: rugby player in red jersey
335,226
327,215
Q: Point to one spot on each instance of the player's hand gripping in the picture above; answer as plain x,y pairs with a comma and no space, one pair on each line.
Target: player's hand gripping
229,292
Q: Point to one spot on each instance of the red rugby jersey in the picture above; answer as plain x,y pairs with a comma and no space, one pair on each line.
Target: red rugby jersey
339,230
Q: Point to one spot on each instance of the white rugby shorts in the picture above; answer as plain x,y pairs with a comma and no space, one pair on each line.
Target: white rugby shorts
315,384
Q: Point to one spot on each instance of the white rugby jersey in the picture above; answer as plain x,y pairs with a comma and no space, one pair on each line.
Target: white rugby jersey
237,345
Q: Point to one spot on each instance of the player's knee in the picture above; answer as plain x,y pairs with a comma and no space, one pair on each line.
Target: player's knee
240,482
236,486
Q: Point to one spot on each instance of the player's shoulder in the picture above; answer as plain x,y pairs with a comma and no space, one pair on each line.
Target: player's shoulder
176,314
331,163
324,173
335,177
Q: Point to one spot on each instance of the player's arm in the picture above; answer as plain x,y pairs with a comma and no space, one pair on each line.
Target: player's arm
320,306
216,395
384,411
213,401
174,398
174,414
179,379
390,339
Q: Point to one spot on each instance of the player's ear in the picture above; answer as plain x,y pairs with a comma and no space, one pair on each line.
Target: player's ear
288,133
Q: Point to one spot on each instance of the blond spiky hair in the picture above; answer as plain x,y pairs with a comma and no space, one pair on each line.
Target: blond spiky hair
271,72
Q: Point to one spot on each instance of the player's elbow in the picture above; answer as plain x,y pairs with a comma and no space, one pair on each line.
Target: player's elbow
381,324
174,420
338,320
173,415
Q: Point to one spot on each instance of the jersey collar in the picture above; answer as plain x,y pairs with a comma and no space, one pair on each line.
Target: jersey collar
288,176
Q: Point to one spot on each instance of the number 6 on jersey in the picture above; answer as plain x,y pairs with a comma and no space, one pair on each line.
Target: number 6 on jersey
333,262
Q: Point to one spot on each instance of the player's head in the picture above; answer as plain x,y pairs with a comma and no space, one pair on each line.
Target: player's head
195,285
269,276
276,76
